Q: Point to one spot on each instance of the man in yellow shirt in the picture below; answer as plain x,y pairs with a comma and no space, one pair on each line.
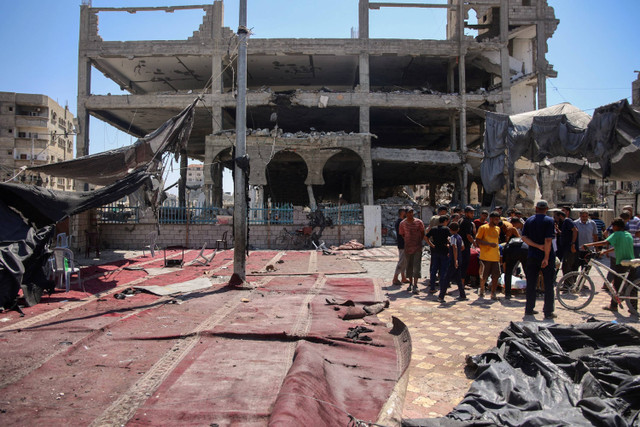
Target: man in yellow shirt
488,240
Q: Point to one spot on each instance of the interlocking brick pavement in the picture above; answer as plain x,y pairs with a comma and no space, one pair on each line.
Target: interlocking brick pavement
443,334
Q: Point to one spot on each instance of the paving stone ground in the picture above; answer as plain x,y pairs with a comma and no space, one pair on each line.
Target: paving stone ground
443,334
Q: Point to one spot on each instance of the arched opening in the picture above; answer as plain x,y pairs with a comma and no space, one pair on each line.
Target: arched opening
474,197
342,175
286,174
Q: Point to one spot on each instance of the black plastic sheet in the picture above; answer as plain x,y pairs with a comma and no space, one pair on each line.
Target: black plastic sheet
605,146
546,374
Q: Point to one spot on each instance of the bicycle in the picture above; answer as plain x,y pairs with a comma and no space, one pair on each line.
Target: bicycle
576,289
295,239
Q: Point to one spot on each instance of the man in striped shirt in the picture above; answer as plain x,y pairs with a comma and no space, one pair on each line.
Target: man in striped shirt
634,229
412,230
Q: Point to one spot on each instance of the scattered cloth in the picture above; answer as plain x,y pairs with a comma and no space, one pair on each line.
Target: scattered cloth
352,245
177,288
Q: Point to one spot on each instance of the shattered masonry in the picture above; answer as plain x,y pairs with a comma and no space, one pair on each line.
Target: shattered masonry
330,116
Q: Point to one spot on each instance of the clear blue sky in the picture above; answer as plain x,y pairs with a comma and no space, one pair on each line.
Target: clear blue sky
595,48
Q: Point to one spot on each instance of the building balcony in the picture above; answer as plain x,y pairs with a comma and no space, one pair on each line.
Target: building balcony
32,122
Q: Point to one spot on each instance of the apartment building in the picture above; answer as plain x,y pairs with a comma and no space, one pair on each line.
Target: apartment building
34,130
195,174
332,117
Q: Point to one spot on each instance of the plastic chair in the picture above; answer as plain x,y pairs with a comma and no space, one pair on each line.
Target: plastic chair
64,267
202,259
222,241
153,236
62,241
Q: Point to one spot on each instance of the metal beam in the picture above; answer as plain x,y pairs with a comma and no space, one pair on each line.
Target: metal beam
168,9
378,5
412,155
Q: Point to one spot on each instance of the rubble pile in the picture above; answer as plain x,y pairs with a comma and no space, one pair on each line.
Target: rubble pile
390,208
279,133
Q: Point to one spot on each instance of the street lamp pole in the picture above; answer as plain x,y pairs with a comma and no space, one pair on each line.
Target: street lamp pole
240,192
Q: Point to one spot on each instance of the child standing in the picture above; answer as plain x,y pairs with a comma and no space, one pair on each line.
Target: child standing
454,274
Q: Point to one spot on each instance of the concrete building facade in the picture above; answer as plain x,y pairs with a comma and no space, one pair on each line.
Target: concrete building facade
34,130
330,118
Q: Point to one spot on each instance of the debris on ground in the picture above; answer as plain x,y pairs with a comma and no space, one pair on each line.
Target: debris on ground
351,245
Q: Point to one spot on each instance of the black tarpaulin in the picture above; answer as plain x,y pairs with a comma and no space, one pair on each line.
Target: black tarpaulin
546,374
43,206
28,213
107,167
565,137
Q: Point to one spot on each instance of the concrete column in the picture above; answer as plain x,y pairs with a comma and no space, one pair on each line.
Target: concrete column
452,125
462,78
182,185
504,56
312,199
451,81
216,186
213,172
464,200
363,19
84,83
365,125
366,194
541,49
364,72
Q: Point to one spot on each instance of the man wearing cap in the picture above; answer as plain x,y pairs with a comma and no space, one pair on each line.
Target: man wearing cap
488,239
468,233
412,231
538,232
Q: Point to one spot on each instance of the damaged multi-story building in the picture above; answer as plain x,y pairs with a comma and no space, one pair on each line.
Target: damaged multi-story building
34,130
351,117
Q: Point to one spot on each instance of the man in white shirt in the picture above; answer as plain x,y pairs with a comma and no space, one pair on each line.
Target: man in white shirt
587,229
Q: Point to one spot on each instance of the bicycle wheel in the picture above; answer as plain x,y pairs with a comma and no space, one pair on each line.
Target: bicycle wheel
575,290
284,240
631,291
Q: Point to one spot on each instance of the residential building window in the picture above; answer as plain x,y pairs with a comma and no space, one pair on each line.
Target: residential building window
22,134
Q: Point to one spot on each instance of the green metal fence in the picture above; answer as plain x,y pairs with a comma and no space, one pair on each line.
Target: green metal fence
276,214
118,213
194,214
350,214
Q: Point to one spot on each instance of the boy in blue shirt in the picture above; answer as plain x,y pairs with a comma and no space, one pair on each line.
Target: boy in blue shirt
456,246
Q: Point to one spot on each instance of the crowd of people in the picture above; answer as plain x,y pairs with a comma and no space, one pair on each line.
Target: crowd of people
543,243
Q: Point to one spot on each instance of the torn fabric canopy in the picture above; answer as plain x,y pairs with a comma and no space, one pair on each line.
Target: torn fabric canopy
107,167
565,137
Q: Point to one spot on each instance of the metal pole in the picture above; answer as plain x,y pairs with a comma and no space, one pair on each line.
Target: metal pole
240,196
